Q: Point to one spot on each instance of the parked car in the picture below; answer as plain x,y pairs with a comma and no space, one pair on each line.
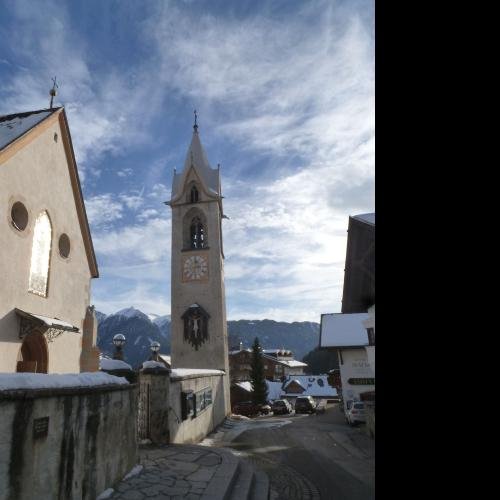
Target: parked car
250,409
246,408
305,404
356,413
281,406
265,409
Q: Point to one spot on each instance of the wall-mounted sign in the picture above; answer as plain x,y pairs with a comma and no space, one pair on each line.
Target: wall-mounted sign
361,381
203,399
40,427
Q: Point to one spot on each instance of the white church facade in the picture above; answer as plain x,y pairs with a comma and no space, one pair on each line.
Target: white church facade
47,259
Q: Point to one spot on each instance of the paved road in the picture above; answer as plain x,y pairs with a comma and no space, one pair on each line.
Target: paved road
313,457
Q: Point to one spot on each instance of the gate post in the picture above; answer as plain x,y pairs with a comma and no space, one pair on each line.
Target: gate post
154,404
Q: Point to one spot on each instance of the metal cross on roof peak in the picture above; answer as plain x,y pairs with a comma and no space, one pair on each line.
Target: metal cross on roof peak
53,91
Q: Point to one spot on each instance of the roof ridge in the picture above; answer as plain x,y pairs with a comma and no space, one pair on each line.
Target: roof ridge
24,114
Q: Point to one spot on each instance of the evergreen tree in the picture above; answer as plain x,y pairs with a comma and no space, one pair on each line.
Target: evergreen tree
258,381
320,361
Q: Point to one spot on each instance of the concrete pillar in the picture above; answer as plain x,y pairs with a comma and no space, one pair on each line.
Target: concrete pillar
155,389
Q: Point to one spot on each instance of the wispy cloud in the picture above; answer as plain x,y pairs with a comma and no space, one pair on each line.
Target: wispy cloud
290,98
297,89
103,209
94,100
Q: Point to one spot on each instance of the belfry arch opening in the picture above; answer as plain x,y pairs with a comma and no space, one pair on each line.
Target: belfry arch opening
195,230
33,355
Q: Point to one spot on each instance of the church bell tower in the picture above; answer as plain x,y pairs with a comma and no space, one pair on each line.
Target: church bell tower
198,310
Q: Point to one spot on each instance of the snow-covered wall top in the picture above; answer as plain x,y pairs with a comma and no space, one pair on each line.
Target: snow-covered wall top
194,372
19,381
113,364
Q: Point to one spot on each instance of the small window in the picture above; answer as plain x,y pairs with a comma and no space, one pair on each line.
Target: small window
55,137
64,246
19,216
371,336
194,195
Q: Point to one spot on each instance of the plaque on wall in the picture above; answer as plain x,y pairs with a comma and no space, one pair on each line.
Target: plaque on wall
40,427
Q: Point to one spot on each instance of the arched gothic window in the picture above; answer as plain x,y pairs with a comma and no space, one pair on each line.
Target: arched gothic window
194,195
40,255
197,234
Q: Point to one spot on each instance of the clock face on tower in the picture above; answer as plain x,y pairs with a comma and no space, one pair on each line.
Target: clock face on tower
195,268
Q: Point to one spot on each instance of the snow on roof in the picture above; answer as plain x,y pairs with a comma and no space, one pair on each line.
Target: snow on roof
16,381
113,364
288,382
294,363
246,386
240,350
274,390
50,322
343,330
153,364
166,358
184,372
291,363
14,126
314,385
368,218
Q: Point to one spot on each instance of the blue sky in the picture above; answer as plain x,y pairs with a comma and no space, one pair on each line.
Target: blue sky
285,98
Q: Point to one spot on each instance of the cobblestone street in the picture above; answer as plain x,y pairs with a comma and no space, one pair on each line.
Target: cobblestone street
171,472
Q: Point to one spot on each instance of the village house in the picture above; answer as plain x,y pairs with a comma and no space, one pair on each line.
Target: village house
278,364
293,386
351,333
47,257
347,335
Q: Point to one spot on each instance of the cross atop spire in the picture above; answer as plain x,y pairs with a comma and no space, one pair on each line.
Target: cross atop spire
195,126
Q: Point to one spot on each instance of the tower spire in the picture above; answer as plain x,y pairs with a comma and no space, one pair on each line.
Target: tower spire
195,126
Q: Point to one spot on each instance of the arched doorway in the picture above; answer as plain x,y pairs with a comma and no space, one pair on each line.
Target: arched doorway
33,354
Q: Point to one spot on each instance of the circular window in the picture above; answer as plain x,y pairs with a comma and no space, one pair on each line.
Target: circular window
19,216
64,246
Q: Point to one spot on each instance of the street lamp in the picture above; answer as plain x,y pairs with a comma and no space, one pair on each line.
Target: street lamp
119,341
155,349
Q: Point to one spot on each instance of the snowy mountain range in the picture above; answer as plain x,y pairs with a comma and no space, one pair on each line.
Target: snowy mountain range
140,329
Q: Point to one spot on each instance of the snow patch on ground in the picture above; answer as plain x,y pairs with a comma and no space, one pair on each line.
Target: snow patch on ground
106,494
134,472
15,381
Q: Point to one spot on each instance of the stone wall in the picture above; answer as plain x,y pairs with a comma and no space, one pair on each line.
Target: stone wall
165,409
195,429
90,442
